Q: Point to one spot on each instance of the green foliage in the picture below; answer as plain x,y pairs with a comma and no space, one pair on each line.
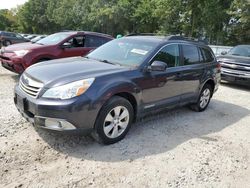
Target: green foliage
218,21
239,30
7,20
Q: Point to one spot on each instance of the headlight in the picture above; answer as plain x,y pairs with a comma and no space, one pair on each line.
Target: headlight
70,90
21,52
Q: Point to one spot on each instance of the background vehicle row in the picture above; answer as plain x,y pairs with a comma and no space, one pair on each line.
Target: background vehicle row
59,45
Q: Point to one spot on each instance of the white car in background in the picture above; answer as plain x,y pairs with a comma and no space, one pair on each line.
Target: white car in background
220,50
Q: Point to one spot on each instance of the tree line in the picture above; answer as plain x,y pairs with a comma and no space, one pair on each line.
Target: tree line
224,22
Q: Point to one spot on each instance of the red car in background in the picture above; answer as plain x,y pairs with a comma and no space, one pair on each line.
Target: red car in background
18,57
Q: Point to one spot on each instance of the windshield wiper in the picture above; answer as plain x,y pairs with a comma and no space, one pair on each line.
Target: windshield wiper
103,60
106,61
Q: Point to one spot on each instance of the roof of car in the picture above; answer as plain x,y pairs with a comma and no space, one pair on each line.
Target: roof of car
86,32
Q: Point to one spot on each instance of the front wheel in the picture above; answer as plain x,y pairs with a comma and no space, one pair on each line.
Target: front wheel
114,120
204,99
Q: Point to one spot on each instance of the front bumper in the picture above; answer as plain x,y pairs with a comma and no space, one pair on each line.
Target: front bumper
74,115
236,78
12,64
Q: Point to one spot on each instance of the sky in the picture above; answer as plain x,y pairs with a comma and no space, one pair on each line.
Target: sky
8,4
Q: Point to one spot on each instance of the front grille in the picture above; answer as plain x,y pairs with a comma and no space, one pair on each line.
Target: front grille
5,58
235,72
235,66
30,86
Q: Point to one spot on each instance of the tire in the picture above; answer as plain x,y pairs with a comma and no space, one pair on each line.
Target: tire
204,99
114,121
7,43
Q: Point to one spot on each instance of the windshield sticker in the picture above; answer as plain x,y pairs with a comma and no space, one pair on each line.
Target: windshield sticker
139,51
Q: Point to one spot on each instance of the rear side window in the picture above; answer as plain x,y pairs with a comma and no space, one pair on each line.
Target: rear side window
6,34
170,55
190,54
10,34
95,41
207,55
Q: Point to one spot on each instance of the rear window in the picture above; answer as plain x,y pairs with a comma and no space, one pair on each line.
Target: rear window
207,55
9,34
95,41
190,54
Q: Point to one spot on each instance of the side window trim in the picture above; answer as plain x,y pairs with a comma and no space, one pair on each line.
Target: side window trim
162,51
74,36
202,56
182,52
151,59
92,37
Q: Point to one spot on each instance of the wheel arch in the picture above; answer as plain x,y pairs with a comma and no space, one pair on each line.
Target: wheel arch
132,100
210,82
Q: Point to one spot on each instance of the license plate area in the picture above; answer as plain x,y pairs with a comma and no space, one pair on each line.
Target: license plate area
230,78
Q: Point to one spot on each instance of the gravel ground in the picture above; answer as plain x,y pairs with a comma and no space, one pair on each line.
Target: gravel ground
178,148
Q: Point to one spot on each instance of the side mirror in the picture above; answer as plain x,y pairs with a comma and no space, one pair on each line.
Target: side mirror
66,45
157,66
223,53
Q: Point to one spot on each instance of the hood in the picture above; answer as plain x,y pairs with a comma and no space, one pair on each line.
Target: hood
234,59
61,71
23,46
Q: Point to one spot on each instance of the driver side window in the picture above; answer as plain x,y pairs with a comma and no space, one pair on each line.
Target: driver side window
169,55
77,42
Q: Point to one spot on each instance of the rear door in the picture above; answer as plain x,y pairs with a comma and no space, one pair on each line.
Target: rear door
192,72
12,38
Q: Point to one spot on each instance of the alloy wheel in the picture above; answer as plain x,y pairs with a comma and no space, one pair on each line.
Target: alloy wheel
205,97
116,122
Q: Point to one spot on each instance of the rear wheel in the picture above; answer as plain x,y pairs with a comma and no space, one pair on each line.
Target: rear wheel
204,99
113,121
7,43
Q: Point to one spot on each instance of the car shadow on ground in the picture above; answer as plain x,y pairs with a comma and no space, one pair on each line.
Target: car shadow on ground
236,86
153,135
15,77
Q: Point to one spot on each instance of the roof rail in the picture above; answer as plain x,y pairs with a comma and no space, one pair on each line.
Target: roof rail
171,37
141,34
190,39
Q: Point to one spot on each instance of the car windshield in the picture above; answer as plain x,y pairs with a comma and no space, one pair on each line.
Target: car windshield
53,39
124,51
240,51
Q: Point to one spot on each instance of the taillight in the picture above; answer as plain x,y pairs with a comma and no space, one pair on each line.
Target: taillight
218,66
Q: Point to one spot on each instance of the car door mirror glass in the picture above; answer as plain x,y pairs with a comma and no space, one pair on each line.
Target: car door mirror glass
158,66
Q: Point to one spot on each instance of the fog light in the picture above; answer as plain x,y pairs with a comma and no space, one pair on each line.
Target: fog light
58,124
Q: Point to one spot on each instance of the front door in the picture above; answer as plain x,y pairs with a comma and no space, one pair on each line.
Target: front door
77,47
161,88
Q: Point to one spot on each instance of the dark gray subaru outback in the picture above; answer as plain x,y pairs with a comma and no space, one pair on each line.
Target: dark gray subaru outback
106,91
